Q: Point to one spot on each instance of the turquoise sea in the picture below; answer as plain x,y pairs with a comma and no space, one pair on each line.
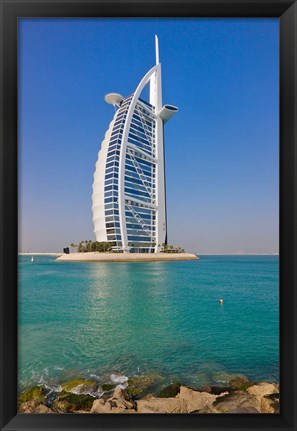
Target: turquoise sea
95,319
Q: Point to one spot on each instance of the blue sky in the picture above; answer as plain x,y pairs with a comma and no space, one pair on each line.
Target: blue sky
221,148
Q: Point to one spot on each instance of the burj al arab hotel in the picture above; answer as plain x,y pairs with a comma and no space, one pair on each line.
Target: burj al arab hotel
129,202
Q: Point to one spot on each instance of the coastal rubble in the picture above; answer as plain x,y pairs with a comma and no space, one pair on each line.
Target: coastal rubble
68,402
262,389
238,399
34,406
161,405
79,386
118,403
196,401
239,396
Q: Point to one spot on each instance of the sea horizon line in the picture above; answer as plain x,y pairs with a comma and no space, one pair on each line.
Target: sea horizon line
197,253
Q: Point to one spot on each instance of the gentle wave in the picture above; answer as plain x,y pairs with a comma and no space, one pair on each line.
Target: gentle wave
89,320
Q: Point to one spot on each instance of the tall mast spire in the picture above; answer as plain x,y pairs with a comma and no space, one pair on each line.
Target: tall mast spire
155,81
157,49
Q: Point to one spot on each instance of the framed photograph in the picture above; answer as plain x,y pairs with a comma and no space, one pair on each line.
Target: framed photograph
148,215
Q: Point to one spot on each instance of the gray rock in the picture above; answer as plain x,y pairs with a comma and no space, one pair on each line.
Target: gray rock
218,390
205,410
240,383
206,388
245,410
68,402
170,391
236,400
223,377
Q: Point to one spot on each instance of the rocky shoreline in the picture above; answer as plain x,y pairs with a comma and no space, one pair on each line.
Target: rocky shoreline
135,395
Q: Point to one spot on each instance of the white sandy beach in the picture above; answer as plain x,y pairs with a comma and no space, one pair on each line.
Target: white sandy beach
121,257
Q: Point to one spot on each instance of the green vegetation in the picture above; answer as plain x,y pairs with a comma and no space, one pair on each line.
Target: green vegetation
170,391
68,402
89,245
107,387
166,248
73,384
34,393
141,381
240,384
104,246
133,392
142,385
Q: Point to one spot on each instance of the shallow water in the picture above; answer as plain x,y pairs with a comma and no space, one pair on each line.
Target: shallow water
93,319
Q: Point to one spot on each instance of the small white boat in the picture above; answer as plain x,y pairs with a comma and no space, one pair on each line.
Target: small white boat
32,259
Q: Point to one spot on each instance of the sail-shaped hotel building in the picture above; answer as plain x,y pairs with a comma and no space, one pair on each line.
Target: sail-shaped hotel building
129,202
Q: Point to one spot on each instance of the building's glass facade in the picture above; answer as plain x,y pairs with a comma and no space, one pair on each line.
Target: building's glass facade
129,184
140,179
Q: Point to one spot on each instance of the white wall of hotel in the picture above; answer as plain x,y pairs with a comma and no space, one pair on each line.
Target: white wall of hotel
98,188
153,78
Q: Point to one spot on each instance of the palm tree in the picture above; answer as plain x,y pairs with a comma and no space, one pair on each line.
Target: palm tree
89,246
164,247
73,245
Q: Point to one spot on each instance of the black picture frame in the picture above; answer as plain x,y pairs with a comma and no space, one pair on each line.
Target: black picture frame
286,11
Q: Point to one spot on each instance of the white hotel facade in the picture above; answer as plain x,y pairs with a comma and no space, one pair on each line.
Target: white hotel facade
129,201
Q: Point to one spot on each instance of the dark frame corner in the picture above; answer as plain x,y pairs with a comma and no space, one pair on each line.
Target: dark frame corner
286,11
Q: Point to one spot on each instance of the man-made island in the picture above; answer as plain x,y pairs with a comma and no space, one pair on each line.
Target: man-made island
125,257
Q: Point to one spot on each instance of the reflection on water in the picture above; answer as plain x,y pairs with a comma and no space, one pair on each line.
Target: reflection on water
160,317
